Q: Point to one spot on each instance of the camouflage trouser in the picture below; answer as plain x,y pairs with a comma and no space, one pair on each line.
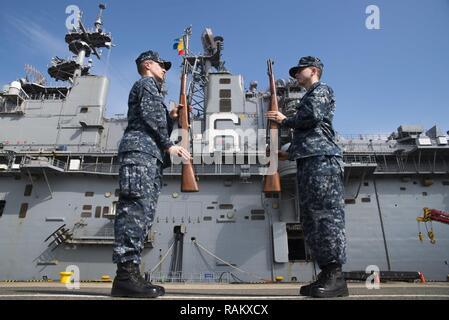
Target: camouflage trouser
140,180
321,202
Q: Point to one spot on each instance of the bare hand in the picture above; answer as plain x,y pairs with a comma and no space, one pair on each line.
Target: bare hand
174,113
275,116
180,152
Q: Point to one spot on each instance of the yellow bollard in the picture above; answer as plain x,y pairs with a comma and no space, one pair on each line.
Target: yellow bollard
65,277
279,278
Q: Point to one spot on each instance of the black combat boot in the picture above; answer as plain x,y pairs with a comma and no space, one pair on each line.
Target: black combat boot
332,283
161,289
307,289
130,283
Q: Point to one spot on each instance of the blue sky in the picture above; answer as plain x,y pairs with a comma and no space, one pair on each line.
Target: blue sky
382,78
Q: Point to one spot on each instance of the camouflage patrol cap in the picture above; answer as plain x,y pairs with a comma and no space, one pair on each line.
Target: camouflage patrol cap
304,62
154,56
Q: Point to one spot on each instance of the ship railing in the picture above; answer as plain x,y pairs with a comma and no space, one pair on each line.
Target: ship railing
100,167
23,95
58,163
361,159
183,277
49,96
12,106
27,160
366,148
217,169
93,30
106,232
426,167
368,137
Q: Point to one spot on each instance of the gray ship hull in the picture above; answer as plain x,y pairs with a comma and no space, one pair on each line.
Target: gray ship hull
246,241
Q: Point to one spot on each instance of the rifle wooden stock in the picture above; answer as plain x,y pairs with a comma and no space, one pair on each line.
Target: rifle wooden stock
188,177
272,183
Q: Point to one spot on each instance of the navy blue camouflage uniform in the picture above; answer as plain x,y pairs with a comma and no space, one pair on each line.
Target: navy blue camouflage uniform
319,175
141,157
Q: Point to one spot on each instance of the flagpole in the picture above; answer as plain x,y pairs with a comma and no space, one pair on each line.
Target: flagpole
188,33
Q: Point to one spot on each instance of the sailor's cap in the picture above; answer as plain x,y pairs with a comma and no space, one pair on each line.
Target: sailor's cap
304,62
154,56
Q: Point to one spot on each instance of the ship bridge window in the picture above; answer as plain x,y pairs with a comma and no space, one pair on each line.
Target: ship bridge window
89,194
225,93
84,109
225,105
296,244
28,190
23,210
98,212
87,211
2,206
225,81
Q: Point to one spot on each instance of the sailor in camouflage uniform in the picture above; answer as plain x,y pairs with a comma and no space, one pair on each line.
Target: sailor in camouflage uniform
319,176
142,151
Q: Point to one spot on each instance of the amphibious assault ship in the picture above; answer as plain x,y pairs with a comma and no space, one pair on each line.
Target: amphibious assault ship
59,188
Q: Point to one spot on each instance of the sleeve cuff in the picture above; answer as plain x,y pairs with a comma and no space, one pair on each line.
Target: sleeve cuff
284,123
168,145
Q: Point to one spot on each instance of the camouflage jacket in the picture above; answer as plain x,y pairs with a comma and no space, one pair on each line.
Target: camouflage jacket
149,123
313,134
